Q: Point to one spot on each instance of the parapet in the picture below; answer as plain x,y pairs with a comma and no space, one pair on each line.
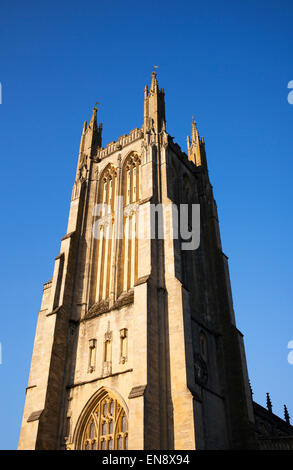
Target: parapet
122,141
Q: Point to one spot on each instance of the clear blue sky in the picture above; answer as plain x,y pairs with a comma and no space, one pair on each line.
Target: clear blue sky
227,63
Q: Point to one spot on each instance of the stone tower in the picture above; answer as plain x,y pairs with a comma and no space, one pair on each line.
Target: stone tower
136,345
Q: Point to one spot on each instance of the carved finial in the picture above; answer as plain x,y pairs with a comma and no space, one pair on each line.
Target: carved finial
193,145
154,106
286,415
94,116
188,144
154,85
195,136
95,110
269,403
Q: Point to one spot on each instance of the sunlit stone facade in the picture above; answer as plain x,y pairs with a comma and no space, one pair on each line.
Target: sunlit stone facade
136,344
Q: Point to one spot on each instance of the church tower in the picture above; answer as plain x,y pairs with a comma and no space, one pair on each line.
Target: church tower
136,344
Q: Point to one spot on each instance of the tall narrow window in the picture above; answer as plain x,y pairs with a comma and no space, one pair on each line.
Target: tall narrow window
105,233
131,196
106,426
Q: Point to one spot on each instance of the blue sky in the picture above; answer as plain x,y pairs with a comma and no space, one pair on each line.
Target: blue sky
228,64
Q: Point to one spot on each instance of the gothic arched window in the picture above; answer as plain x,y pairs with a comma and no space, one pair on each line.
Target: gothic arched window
106,426
105,236
131,197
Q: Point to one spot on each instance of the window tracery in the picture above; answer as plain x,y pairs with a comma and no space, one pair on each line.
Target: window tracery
106,236
106,427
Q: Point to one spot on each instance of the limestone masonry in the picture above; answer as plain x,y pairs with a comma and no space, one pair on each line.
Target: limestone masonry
136,344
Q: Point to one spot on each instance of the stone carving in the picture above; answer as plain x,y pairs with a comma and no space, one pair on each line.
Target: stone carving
126,298
98,308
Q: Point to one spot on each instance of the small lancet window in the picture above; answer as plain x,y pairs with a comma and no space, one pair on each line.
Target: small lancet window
123,345
107,351
203,346
92,355
107,366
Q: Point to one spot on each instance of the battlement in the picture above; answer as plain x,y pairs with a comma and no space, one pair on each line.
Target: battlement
122,141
